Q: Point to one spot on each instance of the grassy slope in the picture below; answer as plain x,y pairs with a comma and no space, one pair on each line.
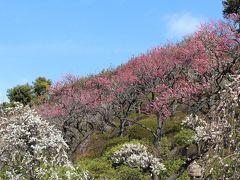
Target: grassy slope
172,151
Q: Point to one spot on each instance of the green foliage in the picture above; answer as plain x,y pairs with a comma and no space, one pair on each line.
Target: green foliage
173,124
99,167
115,141
40,90
137,132
38,100
26,93
171,167
20,93
41,86
99,142
184,137
165,147
125,172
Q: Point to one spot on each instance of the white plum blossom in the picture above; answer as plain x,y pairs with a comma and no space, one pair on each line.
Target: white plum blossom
30,147
136,155
203,131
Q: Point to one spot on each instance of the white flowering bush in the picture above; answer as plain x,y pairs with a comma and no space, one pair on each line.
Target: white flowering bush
136,155
31,148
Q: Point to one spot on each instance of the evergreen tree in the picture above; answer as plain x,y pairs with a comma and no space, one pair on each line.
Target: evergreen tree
20,93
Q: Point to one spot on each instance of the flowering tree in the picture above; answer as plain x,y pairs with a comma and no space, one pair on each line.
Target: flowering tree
68,110
126,94
217,134
221,44
31,147
190,73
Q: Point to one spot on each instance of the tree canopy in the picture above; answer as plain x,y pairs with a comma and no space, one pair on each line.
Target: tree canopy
41,86
20,93
26,94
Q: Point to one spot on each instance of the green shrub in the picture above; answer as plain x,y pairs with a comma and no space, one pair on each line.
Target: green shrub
173,124
98,167
137,132
99,142
101,168
125,172
171,167
171,127
165,147
115,141
184,137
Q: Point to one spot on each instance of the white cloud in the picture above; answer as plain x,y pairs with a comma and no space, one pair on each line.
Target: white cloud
180,25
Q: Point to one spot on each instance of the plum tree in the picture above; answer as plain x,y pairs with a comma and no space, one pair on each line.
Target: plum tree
30,147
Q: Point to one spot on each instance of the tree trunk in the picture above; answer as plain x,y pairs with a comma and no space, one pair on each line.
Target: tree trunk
158,131
121,127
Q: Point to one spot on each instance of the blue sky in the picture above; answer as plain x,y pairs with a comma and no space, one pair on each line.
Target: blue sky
53,37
